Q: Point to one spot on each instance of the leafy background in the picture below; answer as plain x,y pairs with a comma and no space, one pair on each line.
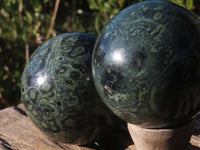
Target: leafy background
25,25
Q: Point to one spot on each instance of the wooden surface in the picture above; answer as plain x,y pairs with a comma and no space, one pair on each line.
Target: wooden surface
17,132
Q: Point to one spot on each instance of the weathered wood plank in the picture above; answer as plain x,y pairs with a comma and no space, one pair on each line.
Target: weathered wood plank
17,132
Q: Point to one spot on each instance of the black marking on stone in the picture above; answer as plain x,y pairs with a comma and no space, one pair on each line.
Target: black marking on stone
74,75
61,69
138,59
113,79
67,81
80,67
59,103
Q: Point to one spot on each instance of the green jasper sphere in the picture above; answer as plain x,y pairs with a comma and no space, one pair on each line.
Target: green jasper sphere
146,64
59,93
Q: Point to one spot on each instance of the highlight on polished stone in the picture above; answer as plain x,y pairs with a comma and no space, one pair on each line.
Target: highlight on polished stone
146,64
59,93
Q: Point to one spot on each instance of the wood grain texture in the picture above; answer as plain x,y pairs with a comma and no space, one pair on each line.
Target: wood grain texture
17,132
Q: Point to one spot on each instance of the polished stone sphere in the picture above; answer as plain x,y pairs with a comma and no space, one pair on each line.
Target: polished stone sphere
146,64
59,93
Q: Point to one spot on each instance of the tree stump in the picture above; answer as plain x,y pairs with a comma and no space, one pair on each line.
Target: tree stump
17,132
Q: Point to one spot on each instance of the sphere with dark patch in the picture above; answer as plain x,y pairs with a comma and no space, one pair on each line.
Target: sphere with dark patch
59,93
146,64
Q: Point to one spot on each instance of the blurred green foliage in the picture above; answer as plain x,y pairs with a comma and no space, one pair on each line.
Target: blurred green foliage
24,26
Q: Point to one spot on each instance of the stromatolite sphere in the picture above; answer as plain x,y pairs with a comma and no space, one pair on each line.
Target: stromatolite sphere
58,91
146,64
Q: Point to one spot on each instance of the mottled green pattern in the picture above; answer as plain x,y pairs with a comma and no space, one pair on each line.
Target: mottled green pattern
58,91
146,64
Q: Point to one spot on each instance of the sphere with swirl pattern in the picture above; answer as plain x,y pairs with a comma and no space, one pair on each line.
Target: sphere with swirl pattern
146,64
59,93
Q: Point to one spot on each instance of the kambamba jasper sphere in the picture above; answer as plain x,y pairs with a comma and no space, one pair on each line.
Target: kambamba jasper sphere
58,91
146,64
